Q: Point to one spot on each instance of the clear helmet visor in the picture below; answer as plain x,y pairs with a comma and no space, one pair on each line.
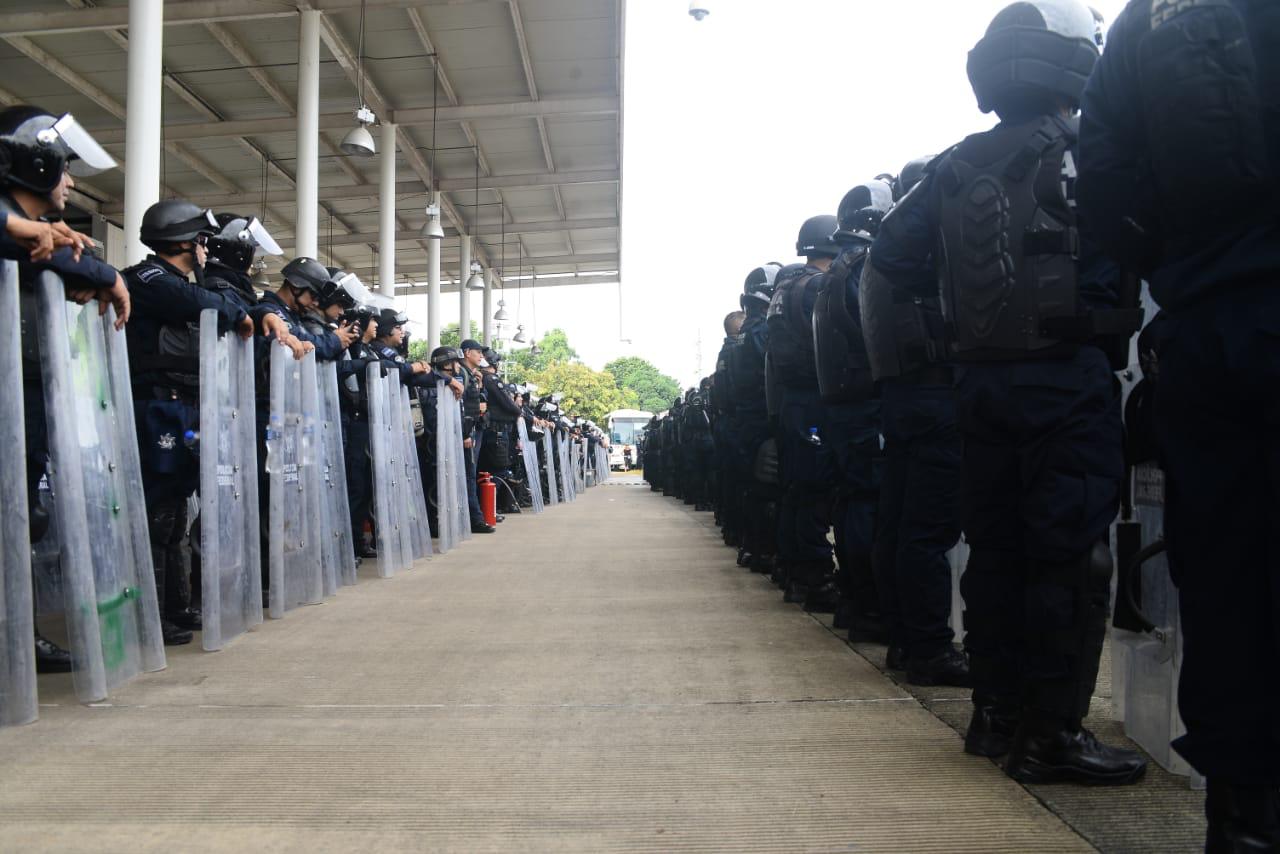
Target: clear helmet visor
90,157
266,243
351,283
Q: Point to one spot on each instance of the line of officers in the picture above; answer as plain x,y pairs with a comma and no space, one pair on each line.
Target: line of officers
201,260
944,361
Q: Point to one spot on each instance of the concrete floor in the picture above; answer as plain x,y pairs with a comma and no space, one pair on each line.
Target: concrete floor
599,678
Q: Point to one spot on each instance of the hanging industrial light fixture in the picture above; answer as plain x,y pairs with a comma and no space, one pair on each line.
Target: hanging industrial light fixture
359,142
476,281
519,336
260,279
432,229
501,313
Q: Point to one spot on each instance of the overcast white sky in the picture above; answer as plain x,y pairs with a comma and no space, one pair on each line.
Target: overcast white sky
741,126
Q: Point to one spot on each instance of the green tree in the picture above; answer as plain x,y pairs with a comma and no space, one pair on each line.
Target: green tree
587,393
653,389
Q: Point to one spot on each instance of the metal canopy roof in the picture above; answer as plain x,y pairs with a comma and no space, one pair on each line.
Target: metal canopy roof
534,85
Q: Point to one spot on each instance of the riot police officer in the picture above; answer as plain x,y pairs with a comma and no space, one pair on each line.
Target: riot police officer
851,408
230,255
39,151
920,495
473,409
324,318
500,416
164,359
1036,399
808,465
1180,181
754,450
354,402
728,475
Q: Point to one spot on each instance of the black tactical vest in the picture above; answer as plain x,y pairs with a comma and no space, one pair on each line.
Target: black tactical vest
790,325
1007,240
840,354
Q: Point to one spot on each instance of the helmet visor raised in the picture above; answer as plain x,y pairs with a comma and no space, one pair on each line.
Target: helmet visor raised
89,158
266,243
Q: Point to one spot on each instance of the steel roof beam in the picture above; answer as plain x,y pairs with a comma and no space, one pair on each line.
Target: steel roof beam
370,191
415,116
178,12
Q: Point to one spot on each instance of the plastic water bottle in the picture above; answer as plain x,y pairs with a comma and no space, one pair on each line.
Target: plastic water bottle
274,434
813,438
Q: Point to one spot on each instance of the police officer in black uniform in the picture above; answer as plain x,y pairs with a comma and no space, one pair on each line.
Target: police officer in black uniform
353,400
919,514
500,418
695,435
443,368
38,152
653,454
164,358
753,447
1036,398
473,408
852,411
729,473
808,463
1181,179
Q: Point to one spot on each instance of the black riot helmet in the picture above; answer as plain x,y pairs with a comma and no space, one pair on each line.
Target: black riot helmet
239,240
861,210
911,174
388,319
1034,54
815,238
36,147
176,221
306,274
444,356
492,356
758,288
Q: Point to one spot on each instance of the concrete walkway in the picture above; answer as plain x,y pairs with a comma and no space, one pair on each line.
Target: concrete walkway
599,678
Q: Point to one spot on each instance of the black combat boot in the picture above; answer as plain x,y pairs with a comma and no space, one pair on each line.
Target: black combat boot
948,667
51,658
744,557
896,657
991,729
1242,819
1049,751
173,635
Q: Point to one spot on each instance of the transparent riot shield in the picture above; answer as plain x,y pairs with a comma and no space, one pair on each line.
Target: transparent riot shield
17,653
113,619
1146,665
383,453
403,510
316,507
419,527
336,549
230,549
452,522
297,577
958,558
567,477
460,482
549,454
530,454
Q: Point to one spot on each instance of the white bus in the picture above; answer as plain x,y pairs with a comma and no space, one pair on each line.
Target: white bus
625,426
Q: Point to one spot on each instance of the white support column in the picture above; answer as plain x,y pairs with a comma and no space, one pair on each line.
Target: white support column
387,211
486,325
464,297
308,140
142,120
433,290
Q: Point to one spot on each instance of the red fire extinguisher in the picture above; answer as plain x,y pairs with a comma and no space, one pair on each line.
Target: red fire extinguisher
488,497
